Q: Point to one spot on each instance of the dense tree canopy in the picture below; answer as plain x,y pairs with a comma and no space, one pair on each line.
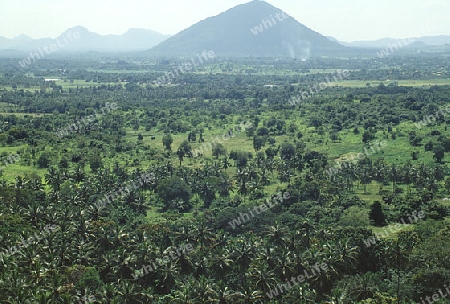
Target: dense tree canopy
167,199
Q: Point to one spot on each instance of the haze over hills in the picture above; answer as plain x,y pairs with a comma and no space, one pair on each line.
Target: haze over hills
255,29
132,40
252,29
385,42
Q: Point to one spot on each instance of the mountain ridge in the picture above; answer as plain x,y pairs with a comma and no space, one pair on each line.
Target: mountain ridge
133,39
253,29
438,40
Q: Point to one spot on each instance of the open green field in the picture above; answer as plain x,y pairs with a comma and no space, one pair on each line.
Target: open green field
407,83
65,84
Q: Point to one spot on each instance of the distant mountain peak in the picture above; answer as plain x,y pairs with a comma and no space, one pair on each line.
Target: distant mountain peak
78,28
141,31
22,37
256,28
137,30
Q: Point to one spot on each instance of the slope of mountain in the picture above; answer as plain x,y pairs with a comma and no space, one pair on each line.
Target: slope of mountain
132,40
253,29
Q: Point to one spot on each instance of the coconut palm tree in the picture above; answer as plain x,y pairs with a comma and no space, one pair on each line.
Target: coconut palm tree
248,296
225,294
300,293
267,256
337,296
361,287
129,293
276,235
53,178
225,185
36,213
285,267
221,239
205,291
242,177
185,235
221,262
243,251
203,235
261,277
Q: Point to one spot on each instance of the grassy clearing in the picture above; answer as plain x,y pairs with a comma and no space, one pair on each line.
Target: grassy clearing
409,83
73,84
65,84
18,114
12,171
391,231
11,149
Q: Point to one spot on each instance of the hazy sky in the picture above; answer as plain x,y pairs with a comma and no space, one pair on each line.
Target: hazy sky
346,20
